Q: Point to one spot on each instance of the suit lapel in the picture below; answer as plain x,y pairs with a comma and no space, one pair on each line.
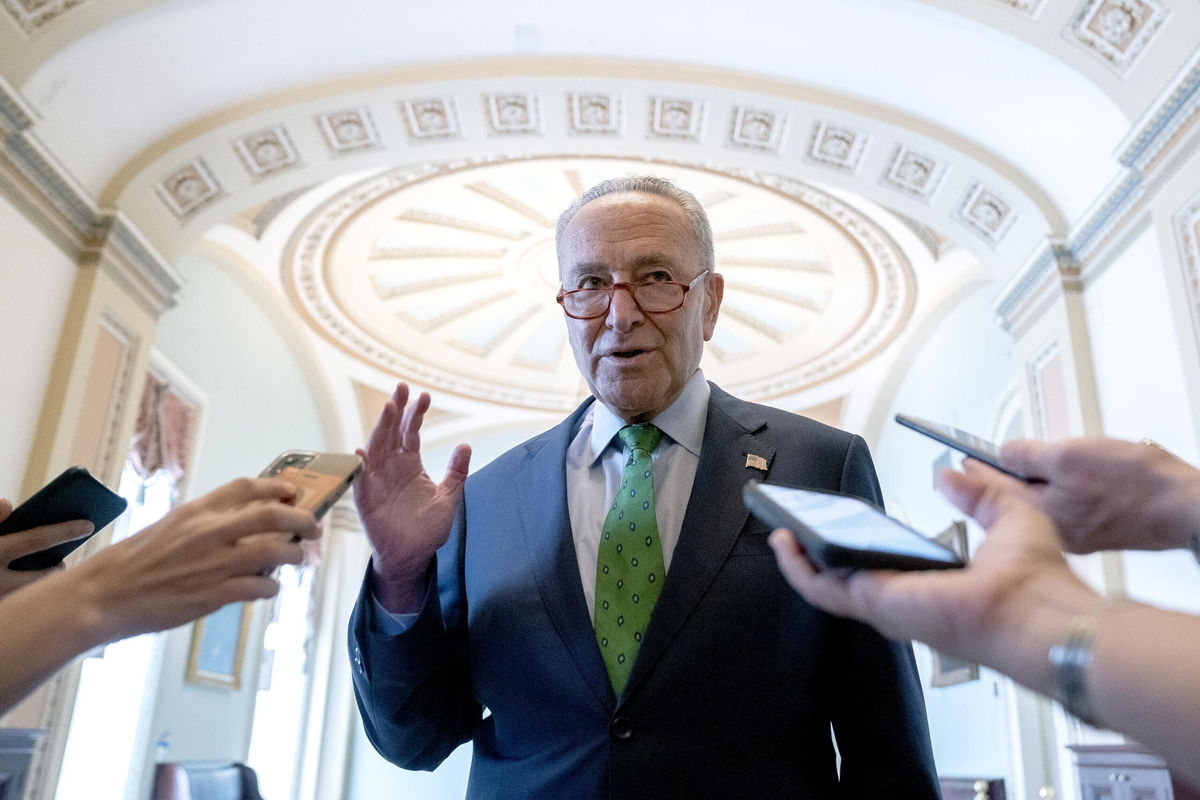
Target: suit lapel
714,518
542,496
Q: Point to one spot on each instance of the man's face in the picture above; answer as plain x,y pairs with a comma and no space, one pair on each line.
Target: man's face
637,363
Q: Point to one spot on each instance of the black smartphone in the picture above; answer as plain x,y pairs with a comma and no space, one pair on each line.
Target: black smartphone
973,446
320,478
842,532
74,494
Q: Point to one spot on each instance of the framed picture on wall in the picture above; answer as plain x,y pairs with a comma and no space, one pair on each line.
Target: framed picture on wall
948,670
219,646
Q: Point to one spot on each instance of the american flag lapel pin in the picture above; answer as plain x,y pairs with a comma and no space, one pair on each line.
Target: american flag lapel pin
756,462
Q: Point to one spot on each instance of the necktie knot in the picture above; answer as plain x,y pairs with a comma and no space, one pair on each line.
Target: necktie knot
642,436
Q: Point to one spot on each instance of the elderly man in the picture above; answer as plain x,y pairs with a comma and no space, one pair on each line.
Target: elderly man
595,610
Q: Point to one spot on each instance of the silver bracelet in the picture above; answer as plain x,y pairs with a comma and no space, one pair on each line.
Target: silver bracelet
1070,661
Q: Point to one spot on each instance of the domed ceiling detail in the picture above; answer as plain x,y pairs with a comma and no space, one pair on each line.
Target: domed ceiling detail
445,274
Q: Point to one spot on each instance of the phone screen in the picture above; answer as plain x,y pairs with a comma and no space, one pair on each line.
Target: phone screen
850,523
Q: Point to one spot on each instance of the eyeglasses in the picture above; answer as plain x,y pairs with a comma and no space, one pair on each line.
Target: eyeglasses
657,297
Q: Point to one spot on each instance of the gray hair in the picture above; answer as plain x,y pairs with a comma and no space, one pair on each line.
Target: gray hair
647,184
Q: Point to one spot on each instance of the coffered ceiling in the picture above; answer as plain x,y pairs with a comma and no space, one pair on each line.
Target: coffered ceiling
447,275
404,162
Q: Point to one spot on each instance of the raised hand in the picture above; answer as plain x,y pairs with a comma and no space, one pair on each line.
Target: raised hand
22,543
1106,494
407,516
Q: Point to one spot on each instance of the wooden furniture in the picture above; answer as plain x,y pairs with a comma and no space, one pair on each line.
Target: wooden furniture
16,751
1126,772
972,788
205,781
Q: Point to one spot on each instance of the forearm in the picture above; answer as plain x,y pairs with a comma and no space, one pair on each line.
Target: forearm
42,627
1143,680
412,689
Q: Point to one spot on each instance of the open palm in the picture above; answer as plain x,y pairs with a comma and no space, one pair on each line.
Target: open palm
406,515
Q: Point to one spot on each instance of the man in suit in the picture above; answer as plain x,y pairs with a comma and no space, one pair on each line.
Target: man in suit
595,610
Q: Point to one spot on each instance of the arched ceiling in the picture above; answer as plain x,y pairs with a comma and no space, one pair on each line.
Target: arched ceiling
995,124
119,87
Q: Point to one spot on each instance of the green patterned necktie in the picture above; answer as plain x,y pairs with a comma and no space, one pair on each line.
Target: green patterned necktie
629,568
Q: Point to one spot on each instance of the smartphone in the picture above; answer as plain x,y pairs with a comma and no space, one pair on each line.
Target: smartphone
975,447
74,494
842,532
320,478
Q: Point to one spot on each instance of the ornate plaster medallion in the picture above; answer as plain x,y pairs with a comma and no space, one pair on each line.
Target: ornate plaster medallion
445,274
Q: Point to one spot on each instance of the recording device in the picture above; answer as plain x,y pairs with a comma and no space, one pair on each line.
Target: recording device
320,478
73,495
842,532
973,446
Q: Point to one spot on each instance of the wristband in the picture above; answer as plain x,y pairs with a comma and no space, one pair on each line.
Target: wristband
1070,661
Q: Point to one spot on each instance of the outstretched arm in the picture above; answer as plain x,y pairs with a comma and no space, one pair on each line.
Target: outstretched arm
1016,600
215,550
405,514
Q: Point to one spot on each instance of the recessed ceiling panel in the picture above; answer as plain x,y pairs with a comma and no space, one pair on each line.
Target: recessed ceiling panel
446,275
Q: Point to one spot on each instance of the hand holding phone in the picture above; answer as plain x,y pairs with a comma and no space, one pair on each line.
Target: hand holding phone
73,495
973,446
838,531
320,478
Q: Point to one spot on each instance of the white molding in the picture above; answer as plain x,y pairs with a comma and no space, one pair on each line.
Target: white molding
1155,129
1187,235
59,205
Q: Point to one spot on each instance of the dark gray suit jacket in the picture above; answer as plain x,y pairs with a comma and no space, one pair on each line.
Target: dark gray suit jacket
737,681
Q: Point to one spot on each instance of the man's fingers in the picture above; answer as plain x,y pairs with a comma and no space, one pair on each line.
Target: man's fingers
385,436
383,439
456,468
400,395
34,540
410,426
6,508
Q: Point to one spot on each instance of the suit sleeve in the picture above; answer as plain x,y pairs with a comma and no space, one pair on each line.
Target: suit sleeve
413,689
879,723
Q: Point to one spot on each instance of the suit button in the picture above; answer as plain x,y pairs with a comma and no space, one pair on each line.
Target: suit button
621,728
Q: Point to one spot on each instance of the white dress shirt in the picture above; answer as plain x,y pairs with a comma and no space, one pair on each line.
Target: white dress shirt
595,461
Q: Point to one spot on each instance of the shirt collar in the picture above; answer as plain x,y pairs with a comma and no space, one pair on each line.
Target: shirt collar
683,421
